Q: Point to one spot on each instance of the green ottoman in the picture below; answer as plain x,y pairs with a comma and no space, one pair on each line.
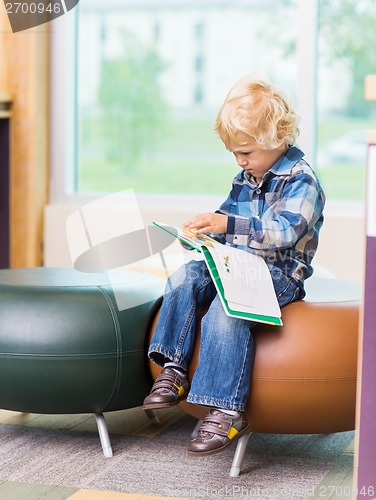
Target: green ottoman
65,347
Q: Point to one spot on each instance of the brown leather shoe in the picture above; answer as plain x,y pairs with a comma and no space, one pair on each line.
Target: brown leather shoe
169,388
217,431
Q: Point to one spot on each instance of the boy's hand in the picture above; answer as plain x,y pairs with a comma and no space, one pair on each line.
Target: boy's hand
207,223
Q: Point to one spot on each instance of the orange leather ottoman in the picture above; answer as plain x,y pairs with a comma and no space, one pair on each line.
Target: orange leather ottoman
304,376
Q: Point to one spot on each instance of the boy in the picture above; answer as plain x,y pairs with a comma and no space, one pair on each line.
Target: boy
275,209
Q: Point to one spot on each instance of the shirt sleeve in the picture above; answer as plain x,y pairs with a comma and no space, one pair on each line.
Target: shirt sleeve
288,219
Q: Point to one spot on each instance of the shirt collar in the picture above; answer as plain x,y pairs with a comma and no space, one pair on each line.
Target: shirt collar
282,166
285,164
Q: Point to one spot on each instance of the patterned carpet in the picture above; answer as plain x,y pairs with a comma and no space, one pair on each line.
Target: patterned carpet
55,457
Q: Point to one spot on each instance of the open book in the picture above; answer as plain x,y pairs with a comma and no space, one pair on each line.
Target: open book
242,279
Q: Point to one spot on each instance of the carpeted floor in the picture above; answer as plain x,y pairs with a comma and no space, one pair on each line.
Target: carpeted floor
53,457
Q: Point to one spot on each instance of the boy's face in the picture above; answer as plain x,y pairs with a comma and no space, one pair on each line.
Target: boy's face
252,157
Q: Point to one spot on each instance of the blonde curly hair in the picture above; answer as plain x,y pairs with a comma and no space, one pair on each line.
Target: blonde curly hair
260,111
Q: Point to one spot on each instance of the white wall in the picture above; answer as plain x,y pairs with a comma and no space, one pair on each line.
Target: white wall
342,241
341,250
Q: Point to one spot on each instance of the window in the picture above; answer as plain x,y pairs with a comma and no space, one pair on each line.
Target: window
150,77
147,105
138,85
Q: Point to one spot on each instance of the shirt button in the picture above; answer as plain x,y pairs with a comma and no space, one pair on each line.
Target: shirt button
258,191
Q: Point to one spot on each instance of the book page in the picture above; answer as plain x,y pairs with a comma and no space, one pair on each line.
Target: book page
242,279
246,280
195,240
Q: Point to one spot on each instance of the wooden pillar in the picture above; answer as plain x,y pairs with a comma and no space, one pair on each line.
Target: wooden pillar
24,75
5,116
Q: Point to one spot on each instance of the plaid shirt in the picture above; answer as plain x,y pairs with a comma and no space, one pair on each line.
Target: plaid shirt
280,218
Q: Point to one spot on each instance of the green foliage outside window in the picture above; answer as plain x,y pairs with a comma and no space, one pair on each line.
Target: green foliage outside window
348,28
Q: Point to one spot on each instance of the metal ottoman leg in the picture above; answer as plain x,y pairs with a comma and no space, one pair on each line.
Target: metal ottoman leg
103,435
152,416
239,455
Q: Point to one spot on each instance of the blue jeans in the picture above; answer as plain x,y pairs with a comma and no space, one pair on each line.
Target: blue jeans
223,375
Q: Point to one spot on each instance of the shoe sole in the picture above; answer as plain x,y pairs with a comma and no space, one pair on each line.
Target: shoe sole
217,450
157,406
